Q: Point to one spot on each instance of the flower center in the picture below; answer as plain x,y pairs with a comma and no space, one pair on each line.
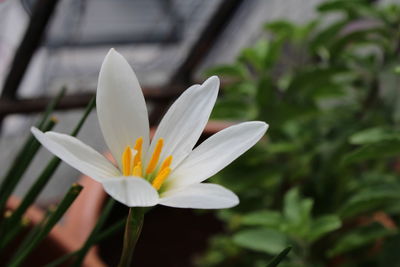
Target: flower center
132,163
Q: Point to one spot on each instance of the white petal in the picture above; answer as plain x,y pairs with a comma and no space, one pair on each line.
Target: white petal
121,108
200,196
217,152
131,191
185,120
75,153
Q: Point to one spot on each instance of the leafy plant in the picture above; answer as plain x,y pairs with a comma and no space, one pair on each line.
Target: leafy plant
329,163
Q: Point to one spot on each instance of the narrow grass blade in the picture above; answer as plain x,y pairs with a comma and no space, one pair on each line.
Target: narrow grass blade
14,232
54,217
280,257
93,235
50,108
46,174
61,260
20,165
26,153
118,226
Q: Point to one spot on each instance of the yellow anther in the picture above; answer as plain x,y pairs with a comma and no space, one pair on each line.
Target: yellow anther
138,148
156,155
126,161
159,180
167,162
137,170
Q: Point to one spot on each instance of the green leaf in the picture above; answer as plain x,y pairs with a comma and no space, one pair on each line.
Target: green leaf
380,150
262,218
280,28
296,210
341,5
323,225
264,240
324,38
291,208
373,135
360,237
282,147
369,200
233,71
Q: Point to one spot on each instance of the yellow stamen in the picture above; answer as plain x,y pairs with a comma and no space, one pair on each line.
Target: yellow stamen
167,162
137,170
126,161
159,180
138,148
156,155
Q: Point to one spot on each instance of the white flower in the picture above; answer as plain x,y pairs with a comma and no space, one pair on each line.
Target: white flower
167,170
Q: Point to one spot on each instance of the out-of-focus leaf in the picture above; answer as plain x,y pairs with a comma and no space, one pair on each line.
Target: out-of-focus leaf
291,208
389,255
356,37
380,150
256,55
282,147
360,237
280,28
373,135
262,218
323,225
325,36
232,71
341,5
369,200
296,210
262,239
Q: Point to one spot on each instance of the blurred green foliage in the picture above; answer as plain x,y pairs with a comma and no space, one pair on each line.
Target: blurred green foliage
325,180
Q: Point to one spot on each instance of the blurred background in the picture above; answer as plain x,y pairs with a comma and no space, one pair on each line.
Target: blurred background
324,74
168,43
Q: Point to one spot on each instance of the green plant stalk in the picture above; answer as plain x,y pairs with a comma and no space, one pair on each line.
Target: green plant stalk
18,168
14,232
26,154
92,238
31,235
46,174
50,108
134,223
280,257
98,238
54,217
110,231
62,259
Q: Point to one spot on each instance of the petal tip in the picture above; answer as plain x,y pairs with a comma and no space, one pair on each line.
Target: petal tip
112,52
112,56
265,126
35,131
213,81
260,125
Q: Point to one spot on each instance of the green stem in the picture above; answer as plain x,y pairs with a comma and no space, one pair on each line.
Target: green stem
133,227
24,251
80,256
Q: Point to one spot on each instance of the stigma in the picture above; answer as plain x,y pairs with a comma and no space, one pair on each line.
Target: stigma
132,163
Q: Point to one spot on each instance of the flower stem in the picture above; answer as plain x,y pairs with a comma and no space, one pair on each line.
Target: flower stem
133,227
